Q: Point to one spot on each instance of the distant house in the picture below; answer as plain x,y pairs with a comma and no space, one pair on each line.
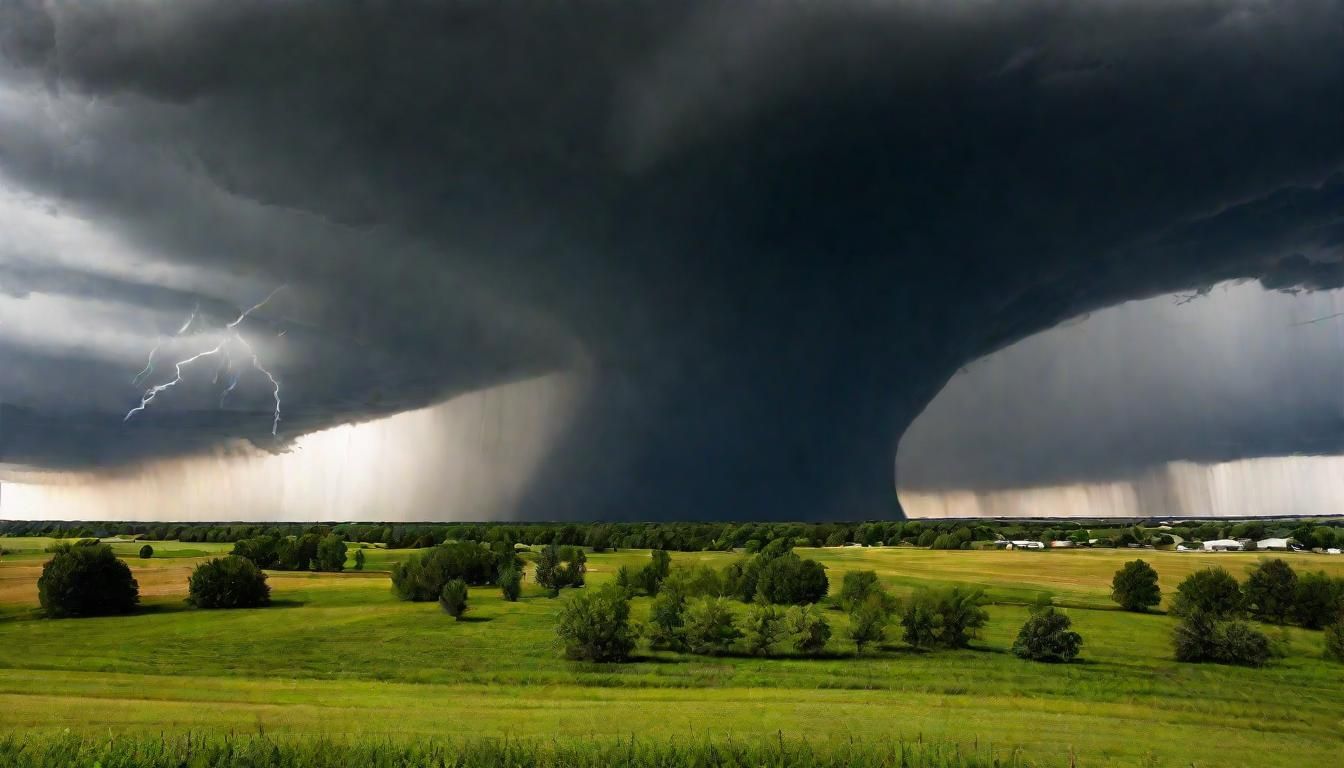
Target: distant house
1332,551
1061,544
1278,544
1223,545
1025,545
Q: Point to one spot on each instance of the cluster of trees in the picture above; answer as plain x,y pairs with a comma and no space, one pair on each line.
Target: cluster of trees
91,580
692,612
307,552
1212,605
423,578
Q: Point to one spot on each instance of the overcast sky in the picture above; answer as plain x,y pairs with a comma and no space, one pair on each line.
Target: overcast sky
762,235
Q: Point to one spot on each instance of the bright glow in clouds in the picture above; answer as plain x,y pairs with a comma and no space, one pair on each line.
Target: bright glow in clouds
466,459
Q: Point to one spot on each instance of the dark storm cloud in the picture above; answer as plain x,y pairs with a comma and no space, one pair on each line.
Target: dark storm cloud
767,231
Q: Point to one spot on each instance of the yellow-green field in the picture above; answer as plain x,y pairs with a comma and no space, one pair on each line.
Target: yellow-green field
337,654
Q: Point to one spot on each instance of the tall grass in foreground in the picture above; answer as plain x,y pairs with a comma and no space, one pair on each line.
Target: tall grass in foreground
260,751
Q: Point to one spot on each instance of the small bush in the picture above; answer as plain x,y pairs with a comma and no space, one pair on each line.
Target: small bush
228,582
1047,636
86,581
711,628
595,626
453,599
809,629
146,552
1135,588
359,559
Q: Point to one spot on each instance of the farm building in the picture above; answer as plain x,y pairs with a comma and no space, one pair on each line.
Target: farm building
1223,545
1280,544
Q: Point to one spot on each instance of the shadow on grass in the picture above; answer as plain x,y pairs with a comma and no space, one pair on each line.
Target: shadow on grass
475,619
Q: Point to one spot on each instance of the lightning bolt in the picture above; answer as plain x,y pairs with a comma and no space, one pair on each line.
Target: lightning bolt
229,335
158,344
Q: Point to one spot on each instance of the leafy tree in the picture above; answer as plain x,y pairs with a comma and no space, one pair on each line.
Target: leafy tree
331,551
146,552
1047,636
510,583
856,587
809,628
837,539
228,582
868,621
711,628
667,621
1135,588
453,598
1212,591
790,580
550,572
86,581
927,538
1271,590
764,629
948,617
359,559
651,577
626,579
595,626
1317,600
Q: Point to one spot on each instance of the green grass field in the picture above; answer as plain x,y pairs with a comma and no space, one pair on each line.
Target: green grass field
337,654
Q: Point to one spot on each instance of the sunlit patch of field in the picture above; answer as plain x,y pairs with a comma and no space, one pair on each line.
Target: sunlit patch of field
339,653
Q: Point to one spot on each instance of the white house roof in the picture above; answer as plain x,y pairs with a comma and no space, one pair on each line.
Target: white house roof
1272,544
1222,543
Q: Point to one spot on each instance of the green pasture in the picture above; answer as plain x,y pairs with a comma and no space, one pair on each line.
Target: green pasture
338,654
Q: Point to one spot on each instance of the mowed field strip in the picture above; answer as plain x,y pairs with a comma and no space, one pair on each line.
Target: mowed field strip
338,654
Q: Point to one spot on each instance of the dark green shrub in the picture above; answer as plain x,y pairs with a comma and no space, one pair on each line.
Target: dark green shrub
1317,600
711,627
146,552
1202,637
510,583
809,629
359,559
1271,590
1134,586
790,580
453,599
560,567
1047,636
1211,591
228,582
595,626
262,550
86,581
1334,639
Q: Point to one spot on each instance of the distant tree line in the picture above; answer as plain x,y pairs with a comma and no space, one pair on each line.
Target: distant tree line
714,536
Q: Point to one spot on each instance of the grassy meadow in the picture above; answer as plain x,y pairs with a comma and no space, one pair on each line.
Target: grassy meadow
338,655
